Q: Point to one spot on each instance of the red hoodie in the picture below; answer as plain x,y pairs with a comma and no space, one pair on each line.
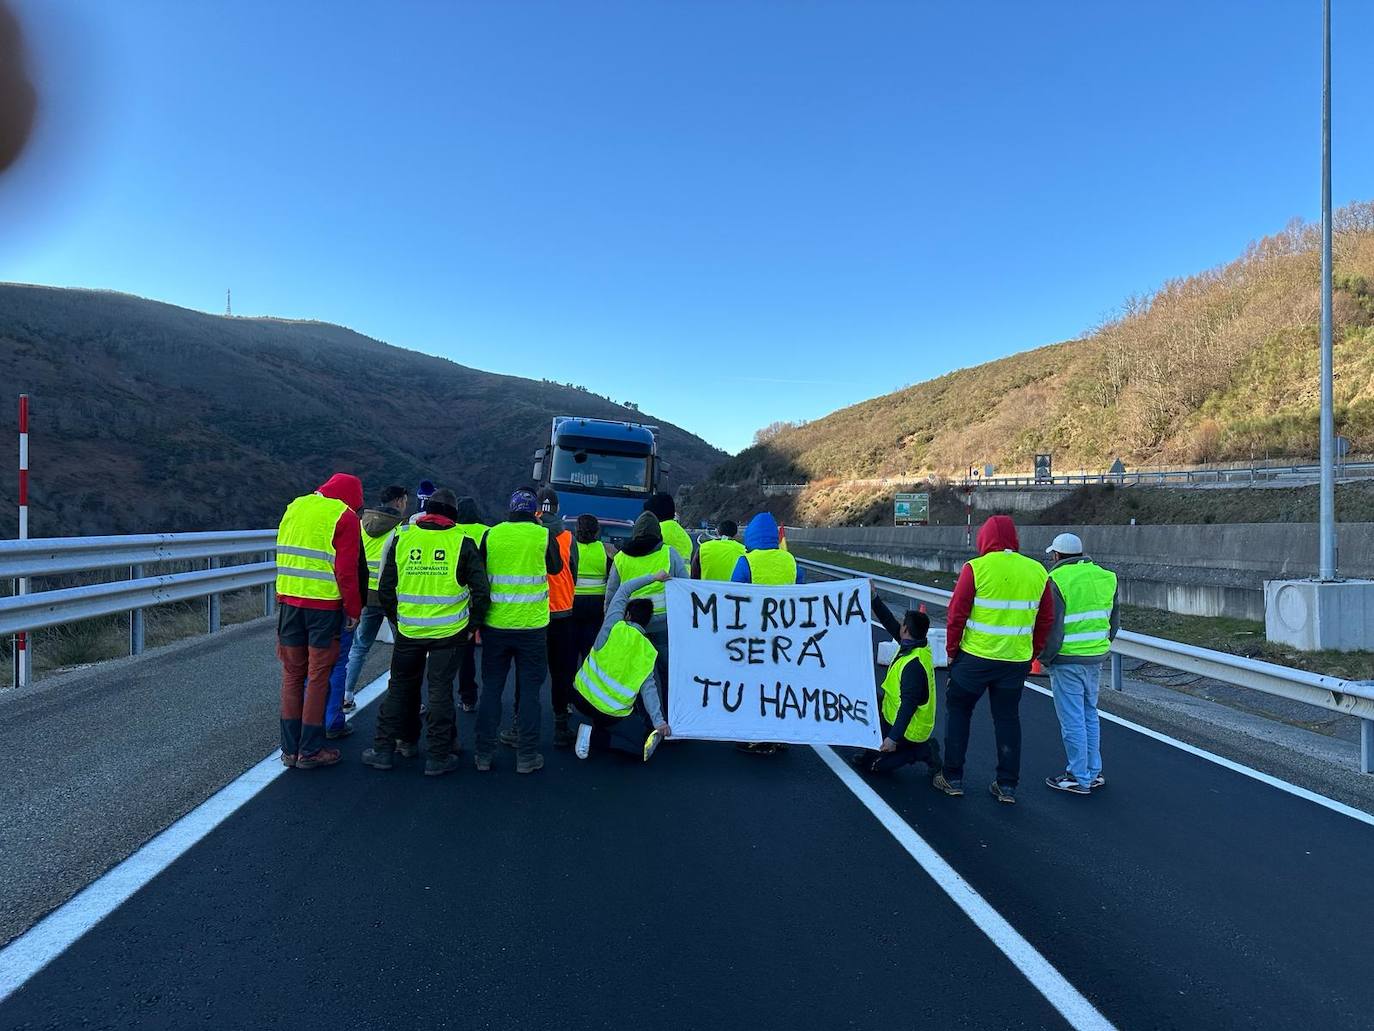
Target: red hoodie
997,534
348,537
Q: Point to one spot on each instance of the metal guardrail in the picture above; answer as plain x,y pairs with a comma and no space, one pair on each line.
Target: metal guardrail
1157,477
59,556
1351,697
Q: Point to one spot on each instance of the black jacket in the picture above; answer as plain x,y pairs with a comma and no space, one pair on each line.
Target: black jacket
472,574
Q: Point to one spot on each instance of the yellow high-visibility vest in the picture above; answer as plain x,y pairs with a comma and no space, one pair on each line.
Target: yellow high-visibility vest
922,722
1089,592
430,603
771,566
374,549
1007,589
612,675
519,576
592,566
677,538
305,548
719,558
631,567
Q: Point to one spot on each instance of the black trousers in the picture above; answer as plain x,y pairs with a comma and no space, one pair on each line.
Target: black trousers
623,733
563,662
905,754
435,661
526,651
467,677
587,613
969,677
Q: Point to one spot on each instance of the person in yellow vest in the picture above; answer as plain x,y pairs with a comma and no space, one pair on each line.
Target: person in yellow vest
520,556
716,559
319,594
472,524
1086,620
764,563
377,524
562,632
907,702
433,588
589,590
647,552
616,689
664,507
998,619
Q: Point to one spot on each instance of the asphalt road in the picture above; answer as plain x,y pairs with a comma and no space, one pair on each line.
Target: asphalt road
715,889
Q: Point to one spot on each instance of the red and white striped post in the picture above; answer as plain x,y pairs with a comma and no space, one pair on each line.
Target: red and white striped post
23,656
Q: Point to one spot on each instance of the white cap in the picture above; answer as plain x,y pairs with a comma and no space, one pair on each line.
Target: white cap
1066,544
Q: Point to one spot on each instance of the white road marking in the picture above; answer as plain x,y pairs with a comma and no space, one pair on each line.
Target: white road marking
1249,771
42,943
1049,982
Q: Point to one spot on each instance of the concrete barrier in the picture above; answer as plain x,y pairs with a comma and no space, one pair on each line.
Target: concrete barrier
1196,570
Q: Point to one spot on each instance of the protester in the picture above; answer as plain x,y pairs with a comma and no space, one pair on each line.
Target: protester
663,506
432,587
645,552
907,715
472,524
562,631
998,620
318,595
377,524
589,593
520,554
764,563
1086,620
616,688
716,559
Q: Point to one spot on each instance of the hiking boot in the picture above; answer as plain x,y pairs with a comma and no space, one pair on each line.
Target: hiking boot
1002,792
407,749
344,731
583,748
562,732
1098,781
951,786
289,761
1066,782
438,767
529,763
482,762
324,757
510,736
379,759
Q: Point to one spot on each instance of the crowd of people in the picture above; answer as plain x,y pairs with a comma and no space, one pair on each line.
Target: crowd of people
555,604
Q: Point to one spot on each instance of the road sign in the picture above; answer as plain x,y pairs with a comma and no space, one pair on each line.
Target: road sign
1044,471
911,510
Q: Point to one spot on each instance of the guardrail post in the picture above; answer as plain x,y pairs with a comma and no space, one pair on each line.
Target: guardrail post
1366,746
1116,673
213,563
136,617
269,590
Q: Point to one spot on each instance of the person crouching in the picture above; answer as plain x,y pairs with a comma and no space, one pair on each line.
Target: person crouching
907,714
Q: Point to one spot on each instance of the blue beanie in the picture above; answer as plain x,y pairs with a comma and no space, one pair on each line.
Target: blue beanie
523,501
423,493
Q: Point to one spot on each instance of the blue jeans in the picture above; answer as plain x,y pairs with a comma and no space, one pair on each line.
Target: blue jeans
334,718
363,637
1075,700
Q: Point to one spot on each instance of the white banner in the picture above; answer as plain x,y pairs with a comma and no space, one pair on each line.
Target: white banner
759,663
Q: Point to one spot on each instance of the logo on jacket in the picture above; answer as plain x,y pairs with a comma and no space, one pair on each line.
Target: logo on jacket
438,554
416,554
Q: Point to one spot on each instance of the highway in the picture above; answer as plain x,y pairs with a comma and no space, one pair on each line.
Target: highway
710,888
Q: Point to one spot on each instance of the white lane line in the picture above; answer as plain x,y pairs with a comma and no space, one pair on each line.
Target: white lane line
1249,771
42,943
1049,982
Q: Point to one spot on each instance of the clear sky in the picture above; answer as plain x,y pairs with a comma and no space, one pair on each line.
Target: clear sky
731,212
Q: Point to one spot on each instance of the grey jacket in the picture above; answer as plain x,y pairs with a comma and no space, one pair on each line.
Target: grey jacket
676,569
615,612
1055,641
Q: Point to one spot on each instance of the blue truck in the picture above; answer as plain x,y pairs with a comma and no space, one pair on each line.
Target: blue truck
603,467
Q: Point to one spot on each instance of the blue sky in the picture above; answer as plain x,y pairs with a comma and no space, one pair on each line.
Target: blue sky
731,212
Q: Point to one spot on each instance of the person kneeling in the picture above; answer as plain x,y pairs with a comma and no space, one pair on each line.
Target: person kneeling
908,702
616,688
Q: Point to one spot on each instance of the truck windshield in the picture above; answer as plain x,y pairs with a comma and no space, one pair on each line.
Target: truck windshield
600,471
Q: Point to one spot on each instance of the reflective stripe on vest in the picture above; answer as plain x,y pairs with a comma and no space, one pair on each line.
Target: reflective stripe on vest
430,603
719,558
305,548
591,569
922,721
771,566
374,548
1007,590
561,584
677,538
631,567
612,675
519,577
1089,591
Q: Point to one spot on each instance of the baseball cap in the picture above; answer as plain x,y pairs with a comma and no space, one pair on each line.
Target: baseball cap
1066,544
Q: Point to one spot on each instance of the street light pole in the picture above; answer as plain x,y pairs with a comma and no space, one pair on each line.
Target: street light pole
1326,565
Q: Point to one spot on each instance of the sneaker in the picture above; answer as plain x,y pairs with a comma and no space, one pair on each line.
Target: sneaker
952,786
583,747
510,736
378,759
651,744
438,767
1002,792
469,706
1066,782
1098,781
407,749
324,757
344,731
529,763
289,761
482,762
562,732
348,703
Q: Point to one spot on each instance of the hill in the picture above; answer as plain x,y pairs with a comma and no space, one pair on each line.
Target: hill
1220,365
152,417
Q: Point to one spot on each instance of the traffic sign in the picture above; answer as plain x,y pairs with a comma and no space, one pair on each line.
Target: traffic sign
911,510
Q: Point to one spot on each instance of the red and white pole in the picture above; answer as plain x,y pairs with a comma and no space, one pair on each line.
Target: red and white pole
22,655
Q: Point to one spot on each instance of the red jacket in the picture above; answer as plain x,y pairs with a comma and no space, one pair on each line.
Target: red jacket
997,534
348,542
